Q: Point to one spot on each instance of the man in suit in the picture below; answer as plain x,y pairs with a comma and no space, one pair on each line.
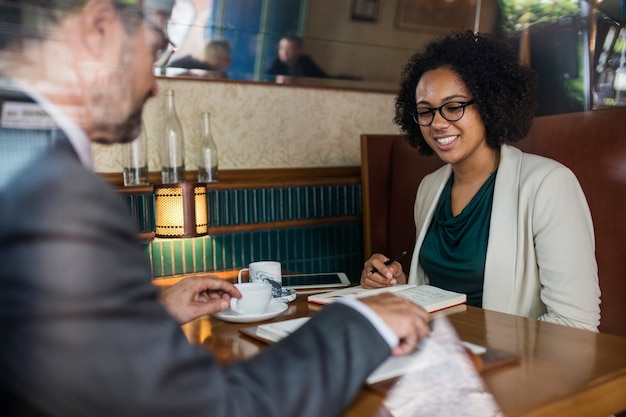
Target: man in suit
292,62
84,332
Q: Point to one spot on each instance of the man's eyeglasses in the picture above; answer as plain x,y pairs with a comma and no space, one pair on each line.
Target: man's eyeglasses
165,49
451,111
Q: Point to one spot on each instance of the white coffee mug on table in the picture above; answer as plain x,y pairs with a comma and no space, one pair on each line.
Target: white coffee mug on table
256,298
265,271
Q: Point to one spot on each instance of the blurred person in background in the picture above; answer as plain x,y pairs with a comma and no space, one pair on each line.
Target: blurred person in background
217,58
292,62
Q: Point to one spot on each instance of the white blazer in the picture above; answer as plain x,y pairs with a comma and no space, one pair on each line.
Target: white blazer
541,252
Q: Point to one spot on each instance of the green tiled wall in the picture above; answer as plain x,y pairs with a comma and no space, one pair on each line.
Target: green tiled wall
262,205
319,248
326,247
274,204
142,209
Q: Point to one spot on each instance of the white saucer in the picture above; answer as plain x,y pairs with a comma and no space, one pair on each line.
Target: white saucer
275,308
287,295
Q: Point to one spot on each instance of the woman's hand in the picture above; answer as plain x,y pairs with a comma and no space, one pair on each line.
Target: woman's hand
385,275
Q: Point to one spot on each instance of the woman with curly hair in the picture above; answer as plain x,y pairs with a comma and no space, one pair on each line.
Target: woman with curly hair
511,230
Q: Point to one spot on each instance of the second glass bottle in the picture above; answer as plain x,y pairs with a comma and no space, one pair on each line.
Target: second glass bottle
207,168
173,145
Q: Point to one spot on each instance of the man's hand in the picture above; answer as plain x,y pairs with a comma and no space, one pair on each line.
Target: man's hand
386,275
198,296
408,321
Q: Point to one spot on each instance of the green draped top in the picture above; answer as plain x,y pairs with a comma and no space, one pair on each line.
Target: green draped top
454,250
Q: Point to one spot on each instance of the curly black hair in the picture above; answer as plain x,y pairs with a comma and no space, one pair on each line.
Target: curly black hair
504,89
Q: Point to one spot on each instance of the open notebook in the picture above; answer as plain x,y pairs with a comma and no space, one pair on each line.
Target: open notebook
429,297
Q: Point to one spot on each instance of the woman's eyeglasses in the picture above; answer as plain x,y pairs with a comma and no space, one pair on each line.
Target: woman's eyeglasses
451,111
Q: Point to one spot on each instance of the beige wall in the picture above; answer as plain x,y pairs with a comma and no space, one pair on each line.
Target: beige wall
264,125
372,51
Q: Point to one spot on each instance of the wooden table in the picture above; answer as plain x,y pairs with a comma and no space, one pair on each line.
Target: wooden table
563,371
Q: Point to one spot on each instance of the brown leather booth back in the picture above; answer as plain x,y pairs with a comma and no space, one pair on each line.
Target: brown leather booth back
592,144
391,170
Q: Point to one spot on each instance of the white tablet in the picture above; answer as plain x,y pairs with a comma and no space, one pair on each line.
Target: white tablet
309,281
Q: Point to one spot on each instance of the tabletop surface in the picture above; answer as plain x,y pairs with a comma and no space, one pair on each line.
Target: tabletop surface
562,371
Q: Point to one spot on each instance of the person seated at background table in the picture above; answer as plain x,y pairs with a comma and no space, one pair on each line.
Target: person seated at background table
292,62
83,331
217,58
511,230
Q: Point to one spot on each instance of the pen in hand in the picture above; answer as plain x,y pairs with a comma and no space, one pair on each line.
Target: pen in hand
390,261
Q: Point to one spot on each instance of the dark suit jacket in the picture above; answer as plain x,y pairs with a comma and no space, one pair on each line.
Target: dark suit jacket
304,67
83,333
190,62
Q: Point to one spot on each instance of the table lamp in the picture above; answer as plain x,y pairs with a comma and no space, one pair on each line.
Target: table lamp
180,210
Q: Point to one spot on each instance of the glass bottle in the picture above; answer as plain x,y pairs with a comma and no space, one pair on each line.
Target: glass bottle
173,145
207,167
136,160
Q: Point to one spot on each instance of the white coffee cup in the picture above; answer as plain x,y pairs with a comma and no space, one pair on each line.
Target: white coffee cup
265,271
256,297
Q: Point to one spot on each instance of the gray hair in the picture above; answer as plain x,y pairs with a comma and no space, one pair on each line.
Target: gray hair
33,19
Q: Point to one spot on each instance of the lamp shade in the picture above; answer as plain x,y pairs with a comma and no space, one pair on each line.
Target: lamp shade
180,210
